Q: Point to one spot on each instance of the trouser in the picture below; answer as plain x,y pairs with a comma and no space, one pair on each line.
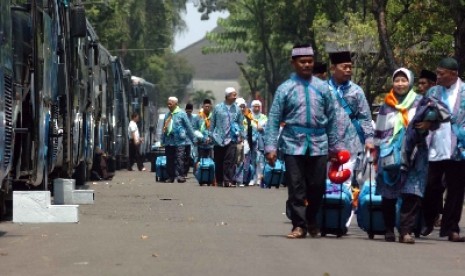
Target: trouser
187,161
306,181
453,175
175,157
388,207
225,163
205,152
134,155
411,206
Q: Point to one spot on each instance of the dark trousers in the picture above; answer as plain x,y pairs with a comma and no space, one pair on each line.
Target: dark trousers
409,210
225,163
175,157
453,174
134,155
187,161
306,180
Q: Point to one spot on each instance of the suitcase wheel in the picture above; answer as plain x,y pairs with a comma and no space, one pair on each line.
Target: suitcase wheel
371,236
323,234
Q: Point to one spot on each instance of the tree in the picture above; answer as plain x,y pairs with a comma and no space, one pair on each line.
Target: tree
200,95
142,32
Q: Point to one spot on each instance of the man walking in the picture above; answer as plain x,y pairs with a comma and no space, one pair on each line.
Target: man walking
446,155
134,143
306,106
353,111
177,134
225,130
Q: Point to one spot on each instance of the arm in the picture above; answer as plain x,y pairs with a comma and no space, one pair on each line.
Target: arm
272,127
188,126
332,128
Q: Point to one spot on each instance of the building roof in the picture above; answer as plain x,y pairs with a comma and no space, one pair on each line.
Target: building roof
221,66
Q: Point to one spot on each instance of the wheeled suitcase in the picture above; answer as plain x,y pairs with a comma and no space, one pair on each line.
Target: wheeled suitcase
273,176
160,169
205,173
335,210
369,213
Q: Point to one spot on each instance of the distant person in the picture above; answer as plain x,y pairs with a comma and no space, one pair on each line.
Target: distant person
189,148
202,124
426,80
306,106
258,148
134,143
320,70
225,131
177,134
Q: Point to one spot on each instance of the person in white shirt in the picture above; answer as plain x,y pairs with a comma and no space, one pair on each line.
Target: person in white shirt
447,155
134,143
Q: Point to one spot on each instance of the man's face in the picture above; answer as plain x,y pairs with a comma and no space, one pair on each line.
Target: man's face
424,84
171,105
303,66
256,109
207,108
342,72
446,77
231,98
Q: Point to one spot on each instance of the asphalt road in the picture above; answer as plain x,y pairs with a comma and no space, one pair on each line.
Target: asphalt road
140,227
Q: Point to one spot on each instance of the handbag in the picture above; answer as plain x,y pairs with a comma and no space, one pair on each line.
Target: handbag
390,154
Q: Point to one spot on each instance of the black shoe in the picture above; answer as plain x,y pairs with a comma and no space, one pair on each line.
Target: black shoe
313,230
169,180
455,237
390,237
426,230
181,180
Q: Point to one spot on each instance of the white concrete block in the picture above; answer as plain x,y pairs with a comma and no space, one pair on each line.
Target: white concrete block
63,190
34,207
83,197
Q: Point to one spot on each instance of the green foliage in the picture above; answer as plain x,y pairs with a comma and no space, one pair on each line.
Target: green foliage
142,32
199,96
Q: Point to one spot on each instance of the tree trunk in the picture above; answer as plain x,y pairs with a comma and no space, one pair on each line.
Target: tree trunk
379,11
459,34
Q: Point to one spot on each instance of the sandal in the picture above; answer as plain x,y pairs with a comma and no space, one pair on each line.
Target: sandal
406,239
297,233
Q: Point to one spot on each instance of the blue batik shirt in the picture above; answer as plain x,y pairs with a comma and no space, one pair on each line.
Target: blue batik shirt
308,110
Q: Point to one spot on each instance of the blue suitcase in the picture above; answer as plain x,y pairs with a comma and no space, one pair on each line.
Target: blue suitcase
205,173
160,169
335,210
369,213
273,176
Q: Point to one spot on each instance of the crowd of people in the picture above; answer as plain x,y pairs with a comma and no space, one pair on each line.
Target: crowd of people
417,141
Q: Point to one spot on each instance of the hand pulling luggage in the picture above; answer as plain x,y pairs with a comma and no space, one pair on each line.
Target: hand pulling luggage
369,213
205,173
160,169
335,210
273,176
